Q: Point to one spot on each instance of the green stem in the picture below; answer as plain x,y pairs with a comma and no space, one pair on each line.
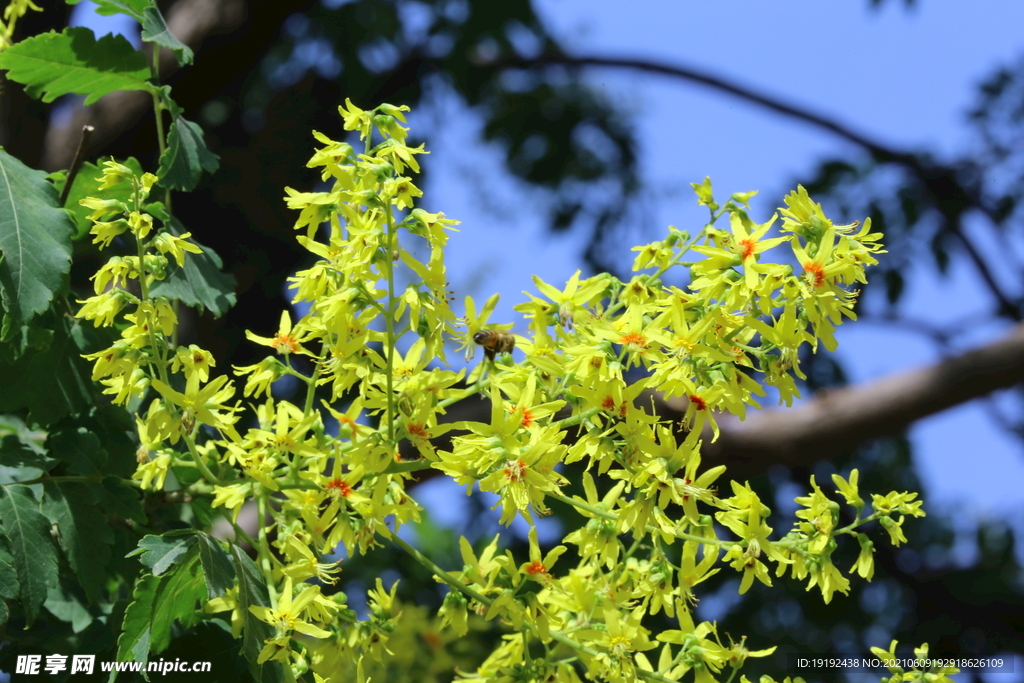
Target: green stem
605,514
389,321
437,571
263,546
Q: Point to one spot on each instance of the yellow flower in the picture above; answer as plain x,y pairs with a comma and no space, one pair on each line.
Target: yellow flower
285,341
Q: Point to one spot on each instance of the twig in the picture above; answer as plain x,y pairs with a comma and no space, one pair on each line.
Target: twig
77,163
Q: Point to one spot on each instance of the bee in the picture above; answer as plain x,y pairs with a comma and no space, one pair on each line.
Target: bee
495,342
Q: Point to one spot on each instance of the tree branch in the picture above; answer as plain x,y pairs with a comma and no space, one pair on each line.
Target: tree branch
844,418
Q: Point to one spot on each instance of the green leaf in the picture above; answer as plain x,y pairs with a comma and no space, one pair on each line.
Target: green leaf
107,8
32,549
161,553
56,381
186,156
252,591
178,597
35,238
133,644
80,449
220,575
84,534
201,282
68,608
154,30
122,499
8,575
74,62
15,453
87,184
158,602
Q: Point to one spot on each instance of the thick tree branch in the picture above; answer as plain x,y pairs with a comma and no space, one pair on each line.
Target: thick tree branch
841,419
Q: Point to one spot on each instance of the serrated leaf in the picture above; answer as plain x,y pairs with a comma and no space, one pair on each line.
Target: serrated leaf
56,381
155,30
220,575
87,184
252,591
157,602
8,575
35,238
84,534
74,62
122,499
186,156
133,643
178,597
68,608
32,550
201,282
80,449
161,553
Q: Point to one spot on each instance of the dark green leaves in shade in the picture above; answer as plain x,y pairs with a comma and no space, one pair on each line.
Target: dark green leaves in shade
33,553
35,238
252,591
186,157
154,28
220,575
16,453
161,553
80,449
157,602
55,381
201,282
83,531
8,582
68,607
122,499
74,62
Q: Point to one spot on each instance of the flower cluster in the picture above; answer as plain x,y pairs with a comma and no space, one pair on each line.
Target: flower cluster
562,397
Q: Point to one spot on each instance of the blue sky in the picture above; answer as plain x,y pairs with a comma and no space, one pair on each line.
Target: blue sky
903,77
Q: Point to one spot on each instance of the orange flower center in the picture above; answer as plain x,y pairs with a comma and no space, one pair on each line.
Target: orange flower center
515,470
698,402
285,343
536,567
634,339
815,272
338,487
747,248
